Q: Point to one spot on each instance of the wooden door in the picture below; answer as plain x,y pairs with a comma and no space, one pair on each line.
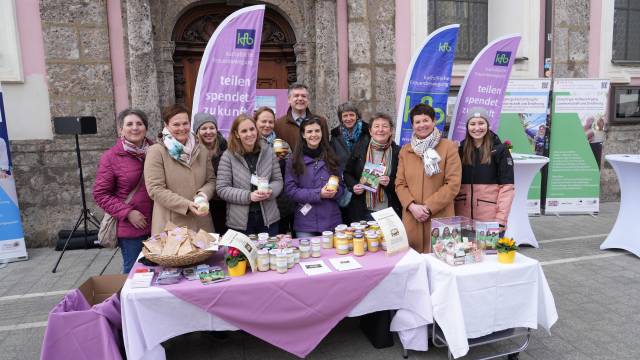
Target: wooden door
276,68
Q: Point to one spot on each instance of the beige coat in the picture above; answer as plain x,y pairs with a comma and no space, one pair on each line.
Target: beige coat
436,192
172,185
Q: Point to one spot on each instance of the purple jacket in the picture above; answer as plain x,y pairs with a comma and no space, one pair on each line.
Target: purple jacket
118,173
324,213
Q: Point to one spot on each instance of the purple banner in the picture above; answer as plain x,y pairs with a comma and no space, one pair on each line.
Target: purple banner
226,84
485,84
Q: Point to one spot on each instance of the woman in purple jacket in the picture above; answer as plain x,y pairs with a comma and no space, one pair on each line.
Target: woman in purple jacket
307,173
119,172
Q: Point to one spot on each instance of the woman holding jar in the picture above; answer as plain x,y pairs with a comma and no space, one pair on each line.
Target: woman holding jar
179,175
205,126
119,188
249,180
377,150
428,177
313,182
487,189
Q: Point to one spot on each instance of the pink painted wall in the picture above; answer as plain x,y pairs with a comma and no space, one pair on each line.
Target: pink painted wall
31,42
595,23
403,44
116,49
343,50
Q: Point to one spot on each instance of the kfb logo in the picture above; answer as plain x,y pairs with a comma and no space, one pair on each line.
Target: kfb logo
245,38
444,47
502,58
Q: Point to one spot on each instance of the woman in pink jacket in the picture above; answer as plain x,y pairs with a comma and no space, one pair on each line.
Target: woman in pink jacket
119,174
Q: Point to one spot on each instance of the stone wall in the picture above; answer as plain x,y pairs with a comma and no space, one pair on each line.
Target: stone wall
571,39
79,75
372,75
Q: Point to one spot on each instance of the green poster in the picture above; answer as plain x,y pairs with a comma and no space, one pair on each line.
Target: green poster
523,122
573,184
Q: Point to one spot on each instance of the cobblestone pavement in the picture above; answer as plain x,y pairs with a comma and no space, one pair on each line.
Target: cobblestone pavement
597,294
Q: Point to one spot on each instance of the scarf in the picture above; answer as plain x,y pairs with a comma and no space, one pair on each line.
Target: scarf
138,152
372,199
179,152
425,149
351,137
269,139
312,153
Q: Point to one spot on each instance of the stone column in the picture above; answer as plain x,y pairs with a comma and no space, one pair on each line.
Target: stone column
571,39
326,66
142,67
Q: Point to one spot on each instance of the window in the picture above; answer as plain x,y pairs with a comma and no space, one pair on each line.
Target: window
625,104
626,26
472,16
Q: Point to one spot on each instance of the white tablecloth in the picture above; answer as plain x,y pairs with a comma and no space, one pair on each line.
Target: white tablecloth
624,232
474,300
153,315
518,226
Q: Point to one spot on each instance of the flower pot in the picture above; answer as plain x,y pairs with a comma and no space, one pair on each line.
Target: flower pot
238,270
506,258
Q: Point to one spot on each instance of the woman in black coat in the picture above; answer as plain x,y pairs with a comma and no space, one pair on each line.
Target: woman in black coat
378,149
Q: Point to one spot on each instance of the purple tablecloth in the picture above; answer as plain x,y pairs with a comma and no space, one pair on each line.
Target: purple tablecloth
292,311
75,330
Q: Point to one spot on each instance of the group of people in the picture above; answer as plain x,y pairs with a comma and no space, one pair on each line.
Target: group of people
252,189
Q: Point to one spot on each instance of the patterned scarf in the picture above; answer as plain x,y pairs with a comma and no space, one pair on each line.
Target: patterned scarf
426,149
138,152
176,150
352,137
372,199
269,139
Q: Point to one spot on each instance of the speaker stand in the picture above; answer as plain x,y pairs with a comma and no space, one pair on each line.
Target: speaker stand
86,215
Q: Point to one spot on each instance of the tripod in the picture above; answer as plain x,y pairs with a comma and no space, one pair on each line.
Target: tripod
86,215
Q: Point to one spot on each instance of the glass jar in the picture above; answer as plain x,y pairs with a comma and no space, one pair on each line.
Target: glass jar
316,247
305,248
262,236
290,259
358,245
372,241
327,239
342,244
263,260
296,255
332,183
281,262
349,234
381,241
273,259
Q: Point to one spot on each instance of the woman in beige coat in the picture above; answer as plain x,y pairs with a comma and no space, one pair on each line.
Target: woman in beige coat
179,175
428,177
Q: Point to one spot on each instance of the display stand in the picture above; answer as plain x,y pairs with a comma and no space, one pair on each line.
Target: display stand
518,226
627,168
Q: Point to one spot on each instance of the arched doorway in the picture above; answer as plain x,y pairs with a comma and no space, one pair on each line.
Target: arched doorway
277,67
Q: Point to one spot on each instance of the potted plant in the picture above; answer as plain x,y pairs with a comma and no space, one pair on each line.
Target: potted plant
236,262
506,248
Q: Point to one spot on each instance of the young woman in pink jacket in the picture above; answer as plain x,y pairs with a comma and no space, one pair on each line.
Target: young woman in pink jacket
119,172
487,187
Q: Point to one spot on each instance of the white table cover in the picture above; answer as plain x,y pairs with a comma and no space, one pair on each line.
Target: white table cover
518,226
474,300
153,315
624,232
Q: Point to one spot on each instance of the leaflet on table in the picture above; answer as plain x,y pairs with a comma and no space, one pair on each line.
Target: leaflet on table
142,279
345,263
487,232
316,267
241,242
395,235
370,178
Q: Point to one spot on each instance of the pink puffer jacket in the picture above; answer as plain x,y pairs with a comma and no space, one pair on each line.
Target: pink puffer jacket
117,175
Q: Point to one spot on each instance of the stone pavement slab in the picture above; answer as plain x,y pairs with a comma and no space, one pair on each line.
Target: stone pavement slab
597,294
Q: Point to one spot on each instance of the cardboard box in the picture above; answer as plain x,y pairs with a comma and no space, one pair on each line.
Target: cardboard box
98,288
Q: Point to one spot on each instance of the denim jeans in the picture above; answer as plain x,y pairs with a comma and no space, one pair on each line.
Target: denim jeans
130,248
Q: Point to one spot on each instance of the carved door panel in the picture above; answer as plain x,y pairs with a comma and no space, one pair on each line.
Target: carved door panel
276,69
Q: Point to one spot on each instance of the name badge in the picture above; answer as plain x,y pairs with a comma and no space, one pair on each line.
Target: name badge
254,179
305,209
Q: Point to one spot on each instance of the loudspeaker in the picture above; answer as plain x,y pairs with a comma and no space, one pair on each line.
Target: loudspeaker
75,125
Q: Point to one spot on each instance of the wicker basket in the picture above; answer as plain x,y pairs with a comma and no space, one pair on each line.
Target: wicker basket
191,258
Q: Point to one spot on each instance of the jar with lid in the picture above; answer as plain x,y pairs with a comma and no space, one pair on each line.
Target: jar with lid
281,262
372,241
327,239
316,247
383,244
263,260
305,248
342,244
290,257
358,245
296,255
273,259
